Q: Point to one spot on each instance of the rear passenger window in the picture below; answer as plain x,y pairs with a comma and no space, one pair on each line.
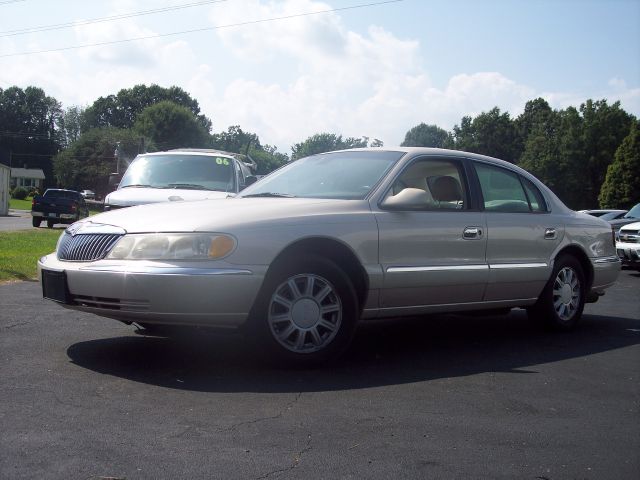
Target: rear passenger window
535,197
503,191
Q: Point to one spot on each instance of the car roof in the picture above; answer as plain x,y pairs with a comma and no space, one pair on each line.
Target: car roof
190,151
414,151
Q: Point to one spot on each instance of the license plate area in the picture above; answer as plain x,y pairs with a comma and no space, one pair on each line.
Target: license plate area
54,286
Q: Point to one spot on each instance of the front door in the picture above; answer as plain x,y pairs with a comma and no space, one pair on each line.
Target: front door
434,254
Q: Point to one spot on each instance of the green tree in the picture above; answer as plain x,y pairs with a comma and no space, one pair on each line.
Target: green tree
72,119
236,140
30,128
605,127
325,142
122,110
538,118
171,126
87,163
490,133
424,135
621,188
554,152
267,159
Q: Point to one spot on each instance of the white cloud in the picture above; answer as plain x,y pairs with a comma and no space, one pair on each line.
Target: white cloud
298,76
139,53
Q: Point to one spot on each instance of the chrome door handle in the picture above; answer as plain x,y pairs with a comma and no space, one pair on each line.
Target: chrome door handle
550,234
471,233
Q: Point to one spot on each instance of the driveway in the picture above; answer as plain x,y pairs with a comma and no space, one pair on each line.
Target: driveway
432,397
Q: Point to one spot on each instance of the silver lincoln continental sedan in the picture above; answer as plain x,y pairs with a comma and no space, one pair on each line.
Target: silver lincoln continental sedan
297,259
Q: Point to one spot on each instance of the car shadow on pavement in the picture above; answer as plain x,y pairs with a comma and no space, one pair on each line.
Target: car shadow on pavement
382,353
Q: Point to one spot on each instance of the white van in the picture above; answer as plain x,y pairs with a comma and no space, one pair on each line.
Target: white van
181,174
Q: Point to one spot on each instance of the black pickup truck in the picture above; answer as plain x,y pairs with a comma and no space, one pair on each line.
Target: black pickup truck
58,206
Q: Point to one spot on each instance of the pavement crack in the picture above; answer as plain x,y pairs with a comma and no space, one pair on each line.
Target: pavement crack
297,457
16,325
280,414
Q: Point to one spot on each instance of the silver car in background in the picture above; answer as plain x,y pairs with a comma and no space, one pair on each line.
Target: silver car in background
297,259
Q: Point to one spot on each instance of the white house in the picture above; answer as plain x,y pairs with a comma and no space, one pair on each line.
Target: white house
27,178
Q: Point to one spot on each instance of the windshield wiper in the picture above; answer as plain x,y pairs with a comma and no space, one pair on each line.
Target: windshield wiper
269,194
188,186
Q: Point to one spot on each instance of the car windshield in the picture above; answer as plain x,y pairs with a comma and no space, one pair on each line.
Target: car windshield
634,212
201,172
337,175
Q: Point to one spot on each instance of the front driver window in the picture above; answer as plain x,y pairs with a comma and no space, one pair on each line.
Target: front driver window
441,181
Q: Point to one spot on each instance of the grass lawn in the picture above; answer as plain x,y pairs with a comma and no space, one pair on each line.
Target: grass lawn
19,252
20,204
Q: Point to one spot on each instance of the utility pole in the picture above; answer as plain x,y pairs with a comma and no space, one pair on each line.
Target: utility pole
117,155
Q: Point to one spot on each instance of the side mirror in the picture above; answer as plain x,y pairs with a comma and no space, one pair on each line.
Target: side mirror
114,180
408,199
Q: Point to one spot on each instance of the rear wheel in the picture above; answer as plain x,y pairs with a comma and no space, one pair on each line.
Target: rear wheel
35,221
561,303
306,313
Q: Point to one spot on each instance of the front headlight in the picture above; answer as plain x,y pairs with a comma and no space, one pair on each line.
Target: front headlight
172,246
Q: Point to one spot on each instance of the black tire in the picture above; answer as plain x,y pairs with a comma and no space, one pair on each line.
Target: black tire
50,223
35,221
318,336
561,303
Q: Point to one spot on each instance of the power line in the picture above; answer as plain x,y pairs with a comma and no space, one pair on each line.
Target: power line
59,26
75,157
7,2
24,135
203,29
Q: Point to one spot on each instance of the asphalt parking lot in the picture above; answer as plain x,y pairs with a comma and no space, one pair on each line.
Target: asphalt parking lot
440,397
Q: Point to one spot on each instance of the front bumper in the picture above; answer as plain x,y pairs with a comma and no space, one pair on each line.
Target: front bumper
54,216
629,253
216,295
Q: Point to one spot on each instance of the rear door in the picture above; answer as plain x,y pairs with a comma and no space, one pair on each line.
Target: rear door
521,233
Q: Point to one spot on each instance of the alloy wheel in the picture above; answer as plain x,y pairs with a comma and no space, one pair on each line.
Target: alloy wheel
566,293
305,313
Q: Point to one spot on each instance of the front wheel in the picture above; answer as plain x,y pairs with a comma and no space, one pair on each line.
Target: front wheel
50,223
306,313
561,303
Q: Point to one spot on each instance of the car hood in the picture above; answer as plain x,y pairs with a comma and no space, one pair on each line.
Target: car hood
127,197
631,226
620,222
226,214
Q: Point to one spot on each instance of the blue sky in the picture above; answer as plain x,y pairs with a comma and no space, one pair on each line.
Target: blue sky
374,71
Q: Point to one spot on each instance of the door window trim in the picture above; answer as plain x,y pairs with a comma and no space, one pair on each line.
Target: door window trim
476,181
472,204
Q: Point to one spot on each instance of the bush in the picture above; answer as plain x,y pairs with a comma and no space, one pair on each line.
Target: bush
19,193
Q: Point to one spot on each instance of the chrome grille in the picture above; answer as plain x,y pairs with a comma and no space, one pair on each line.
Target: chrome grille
629,236
86,247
